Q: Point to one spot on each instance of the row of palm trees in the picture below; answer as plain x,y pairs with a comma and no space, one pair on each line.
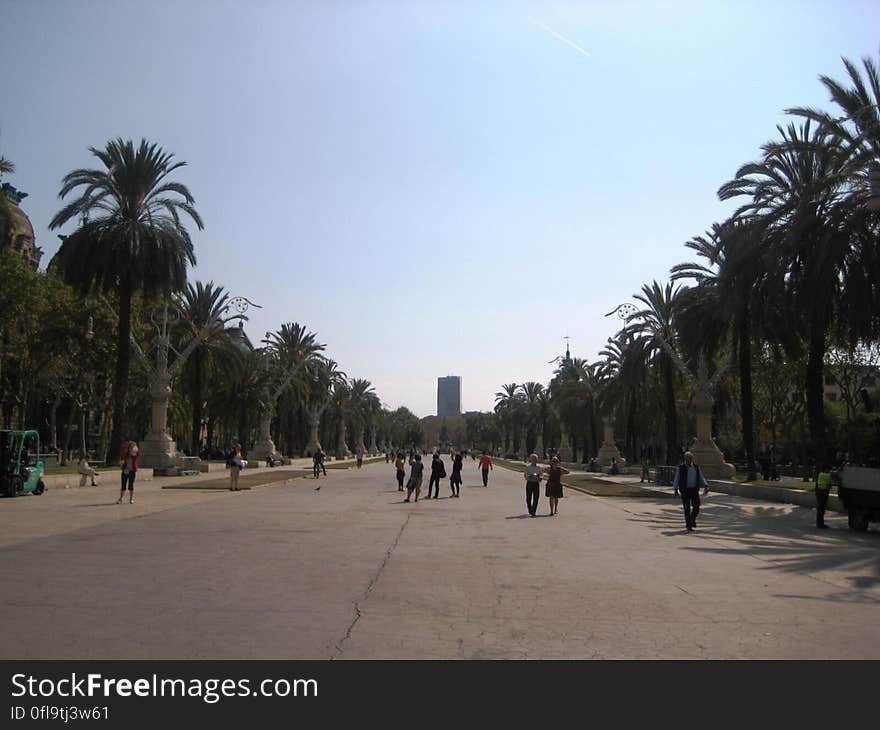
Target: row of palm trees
130,250
791,275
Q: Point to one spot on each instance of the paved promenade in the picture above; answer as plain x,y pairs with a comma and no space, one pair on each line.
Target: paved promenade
350,571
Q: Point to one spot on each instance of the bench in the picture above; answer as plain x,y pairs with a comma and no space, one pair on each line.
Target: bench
664,475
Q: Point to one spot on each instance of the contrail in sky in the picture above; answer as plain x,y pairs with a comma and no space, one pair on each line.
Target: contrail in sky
565,40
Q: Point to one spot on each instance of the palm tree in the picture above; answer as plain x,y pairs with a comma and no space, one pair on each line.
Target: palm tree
361,402
533,394
323,378
507,406
623,373
796,192
293,348
131,238
730,290
859,127
203,310
655,327
572,393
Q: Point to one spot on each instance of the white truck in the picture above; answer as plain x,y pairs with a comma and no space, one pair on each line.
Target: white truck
859,490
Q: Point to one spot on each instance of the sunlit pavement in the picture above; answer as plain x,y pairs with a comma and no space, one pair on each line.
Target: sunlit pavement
350,571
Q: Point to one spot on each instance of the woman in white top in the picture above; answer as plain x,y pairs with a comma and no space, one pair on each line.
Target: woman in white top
533,482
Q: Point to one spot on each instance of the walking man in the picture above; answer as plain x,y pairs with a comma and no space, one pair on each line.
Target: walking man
533,483
485,465
688,480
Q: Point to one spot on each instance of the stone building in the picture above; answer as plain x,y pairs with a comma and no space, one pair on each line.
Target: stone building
16,231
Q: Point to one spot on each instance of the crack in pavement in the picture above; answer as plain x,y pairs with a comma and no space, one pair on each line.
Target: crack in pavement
366,593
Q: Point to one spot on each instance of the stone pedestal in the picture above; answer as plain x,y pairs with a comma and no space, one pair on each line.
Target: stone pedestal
609,449
342,451
264,445
158,450
564,450
314,444
706,452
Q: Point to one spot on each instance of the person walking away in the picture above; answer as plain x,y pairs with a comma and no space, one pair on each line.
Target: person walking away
455,479
533,482
86,471
236,464
823,489
360,457
485,464
416,470
318,463
553,490
130,455
688,480
400,465
438,472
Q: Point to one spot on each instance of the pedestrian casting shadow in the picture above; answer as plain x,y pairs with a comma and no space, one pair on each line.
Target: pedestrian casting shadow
100,504
784,537
525,516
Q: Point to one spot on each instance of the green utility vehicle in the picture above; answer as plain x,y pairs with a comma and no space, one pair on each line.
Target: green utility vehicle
21,470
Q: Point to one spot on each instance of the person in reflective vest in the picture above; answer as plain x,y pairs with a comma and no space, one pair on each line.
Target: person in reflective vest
823,488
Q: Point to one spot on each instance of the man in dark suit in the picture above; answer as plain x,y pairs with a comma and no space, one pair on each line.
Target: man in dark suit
688,480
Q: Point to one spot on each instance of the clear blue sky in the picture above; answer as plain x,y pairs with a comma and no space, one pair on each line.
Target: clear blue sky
434,188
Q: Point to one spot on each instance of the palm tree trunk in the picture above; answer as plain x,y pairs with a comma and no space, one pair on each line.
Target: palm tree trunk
672,445
120,381
815,404
745,393
198,400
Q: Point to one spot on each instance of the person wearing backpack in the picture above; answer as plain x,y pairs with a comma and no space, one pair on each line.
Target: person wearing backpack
438,472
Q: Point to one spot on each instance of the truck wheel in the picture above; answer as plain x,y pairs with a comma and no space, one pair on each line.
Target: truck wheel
40,488
14,486
859,521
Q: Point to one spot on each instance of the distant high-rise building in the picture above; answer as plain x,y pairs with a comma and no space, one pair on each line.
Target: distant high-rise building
449,396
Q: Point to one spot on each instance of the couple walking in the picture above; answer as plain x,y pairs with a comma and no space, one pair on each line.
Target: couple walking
553,490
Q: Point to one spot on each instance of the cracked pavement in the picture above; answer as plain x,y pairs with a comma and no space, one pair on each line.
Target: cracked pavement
351,572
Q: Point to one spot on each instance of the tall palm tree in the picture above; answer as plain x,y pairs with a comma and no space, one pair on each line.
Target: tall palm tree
623,373
323,378
572,393
731,291
532,393
131,238
361,402
796,191
293,348
507,406
203,309
654,325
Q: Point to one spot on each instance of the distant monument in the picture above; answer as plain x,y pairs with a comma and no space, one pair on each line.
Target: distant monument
449,396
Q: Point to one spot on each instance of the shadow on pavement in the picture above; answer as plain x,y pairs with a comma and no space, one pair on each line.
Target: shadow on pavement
785,538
